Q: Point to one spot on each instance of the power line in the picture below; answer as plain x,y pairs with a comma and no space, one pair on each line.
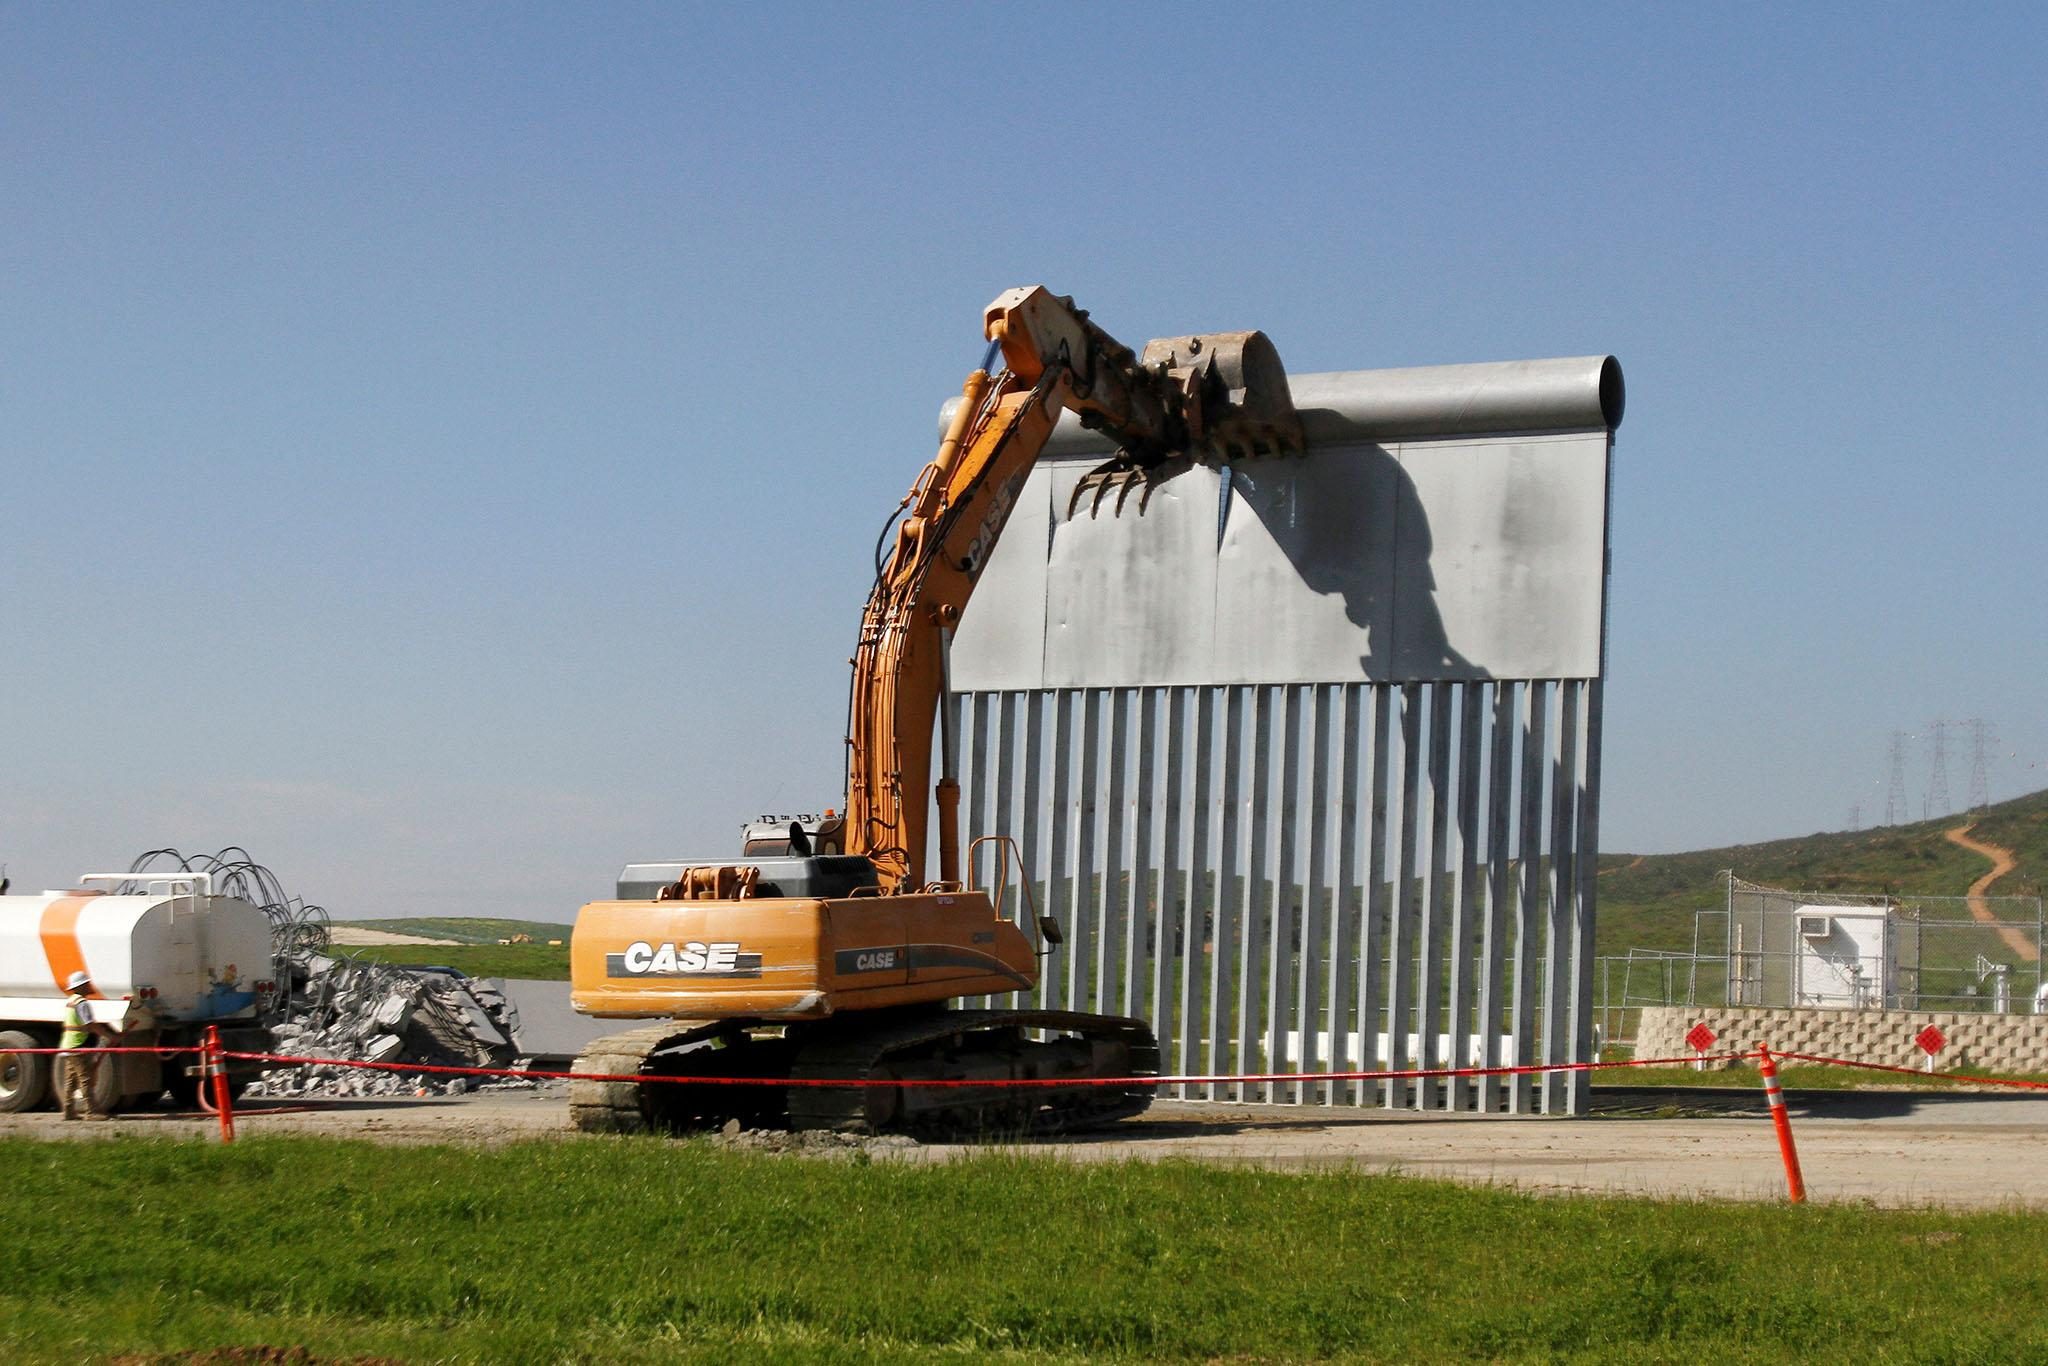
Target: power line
1895,809
1937,771
1982,738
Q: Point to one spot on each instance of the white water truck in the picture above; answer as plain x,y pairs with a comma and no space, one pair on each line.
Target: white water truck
165,964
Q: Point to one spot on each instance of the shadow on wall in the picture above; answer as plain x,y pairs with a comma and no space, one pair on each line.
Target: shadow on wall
1318,512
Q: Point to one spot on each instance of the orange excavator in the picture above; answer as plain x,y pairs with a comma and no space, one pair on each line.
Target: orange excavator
823,953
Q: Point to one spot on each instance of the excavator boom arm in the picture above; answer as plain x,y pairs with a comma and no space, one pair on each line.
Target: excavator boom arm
1212,396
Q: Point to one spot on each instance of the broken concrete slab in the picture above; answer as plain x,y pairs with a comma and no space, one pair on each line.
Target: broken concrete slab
394,1012
357,1010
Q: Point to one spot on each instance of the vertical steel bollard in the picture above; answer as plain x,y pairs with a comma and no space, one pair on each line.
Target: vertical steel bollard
1795,1184
217,1067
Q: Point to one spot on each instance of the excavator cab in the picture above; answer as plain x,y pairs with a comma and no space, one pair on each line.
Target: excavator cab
800,835
794,855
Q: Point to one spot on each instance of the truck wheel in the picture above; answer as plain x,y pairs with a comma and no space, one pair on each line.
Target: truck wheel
105,1093
184,1090
24,1077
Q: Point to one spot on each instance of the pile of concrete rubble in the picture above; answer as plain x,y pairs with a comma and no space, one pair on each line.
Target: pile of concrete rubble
356,1010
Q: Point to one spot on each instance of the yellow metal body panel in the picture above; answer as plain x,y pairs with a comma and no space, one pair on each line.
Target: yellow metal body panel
791,958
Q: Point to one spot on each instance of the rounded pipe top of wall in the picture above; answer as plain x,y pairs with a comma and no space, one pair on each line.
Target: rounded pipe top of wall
1574,393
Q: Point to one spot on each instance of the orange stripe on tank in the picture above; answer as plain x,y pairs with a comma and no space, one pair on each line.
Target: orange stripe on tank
59,931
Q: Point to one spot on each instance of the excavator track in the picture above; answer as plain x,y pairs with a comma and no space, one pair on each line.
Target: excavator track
681,1048
950,1045
613,1107
937,1045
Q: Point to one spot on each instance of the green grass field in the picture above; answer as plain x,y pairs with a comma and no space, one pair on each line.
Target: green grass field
653,1251
537,961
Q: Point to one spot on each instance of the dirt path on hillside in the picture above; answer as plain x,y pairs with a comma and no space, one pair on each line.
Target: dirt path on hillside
2003,861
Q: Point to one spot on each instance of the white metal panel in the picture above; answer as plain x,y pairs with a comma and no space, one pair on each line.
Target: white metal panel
1302,573
1129,596
1441,560
1447,523
1501,557
1000,642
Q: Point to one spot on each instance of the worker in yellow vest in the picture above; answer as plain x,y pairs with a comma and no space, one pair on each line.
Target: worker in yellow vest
76,1072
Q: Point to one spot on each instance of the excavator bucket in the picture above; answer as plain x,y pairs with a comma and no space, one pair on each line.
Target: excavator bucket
1234,399
1237,403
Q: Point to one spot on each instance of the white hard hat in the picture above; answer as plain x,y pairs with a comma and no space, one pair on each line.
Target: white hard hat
78,979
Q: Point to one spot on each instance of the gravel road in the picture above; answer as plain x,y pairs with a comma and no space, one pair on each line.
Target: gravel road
1875,1147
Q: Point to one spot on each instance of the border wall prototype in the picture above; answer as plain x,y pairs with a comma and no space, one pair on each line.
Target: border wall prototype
1304,753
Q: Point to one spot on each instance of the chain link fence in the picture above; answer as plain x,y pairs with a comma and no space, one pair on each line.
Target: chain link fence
1768,946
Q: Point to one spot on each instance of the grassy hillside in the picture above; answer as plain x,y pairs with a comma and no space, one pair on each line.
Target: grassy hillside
1647,901
2021,826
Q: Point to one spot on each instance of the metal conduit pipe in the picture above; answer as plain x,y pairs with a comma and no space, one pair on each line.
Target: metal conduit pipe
1572,393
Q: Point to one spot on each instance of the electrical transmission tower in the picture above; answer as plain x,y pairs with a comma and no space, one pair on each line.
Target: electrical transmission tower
1982,738
1895,808
1855,818
1937,771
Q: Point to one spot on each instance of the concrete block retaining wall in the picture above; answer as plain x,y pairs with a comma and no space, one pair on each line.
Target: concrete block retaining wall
1989,1043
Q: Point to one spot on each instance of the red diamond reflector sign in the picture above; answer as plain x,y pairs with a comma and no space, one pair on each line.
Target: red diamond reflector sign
1930,1039
1699,1038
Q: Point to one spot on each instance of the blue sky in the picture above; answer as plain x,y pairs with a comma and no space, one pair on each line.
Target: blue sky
443,444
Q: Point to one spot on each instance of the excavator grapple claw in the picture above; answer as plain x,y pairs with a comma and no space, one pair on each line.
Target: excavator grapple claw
1123,479
1234,406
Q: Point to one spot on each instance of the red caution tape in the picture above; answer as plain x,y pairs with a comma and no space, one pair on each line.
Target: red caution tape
1191,1079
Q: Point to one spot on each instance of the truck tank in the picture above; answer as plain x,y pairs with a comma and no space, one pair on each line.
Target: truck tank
168,963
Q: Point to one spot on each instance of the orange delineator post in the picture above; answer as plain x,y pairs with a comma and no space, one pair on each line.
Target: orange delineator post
1795,1184
217,1066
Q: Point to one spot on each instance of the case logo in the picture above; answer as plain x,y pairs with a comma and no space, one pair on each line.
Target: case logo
691,959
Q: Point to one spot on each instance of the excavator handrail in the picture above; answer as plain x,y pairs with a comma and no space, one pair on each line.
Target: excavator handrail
995,898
